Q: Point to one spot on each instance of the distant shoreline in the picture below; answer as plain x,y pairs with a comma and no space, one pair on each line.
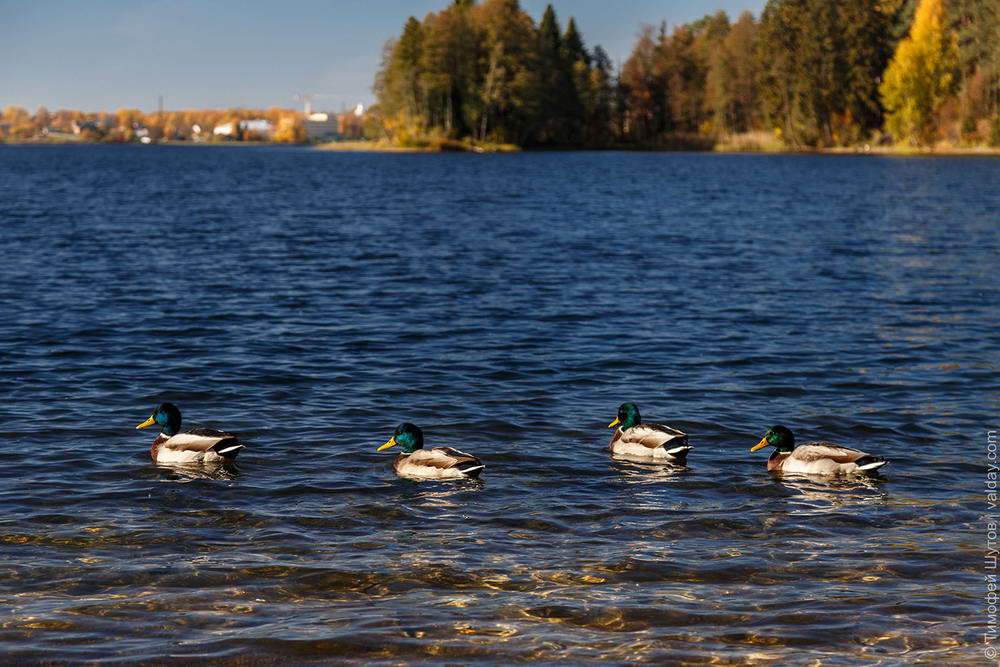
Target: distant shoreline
379,147
362,146
370,147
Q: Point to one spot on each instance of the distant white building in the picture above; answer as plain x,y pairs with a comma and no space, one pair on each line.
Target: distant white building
260,127
257,128
321,127
224,130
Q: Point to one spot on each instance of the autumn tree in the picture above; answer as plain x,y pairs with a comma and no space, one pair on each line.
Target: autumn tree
20,123
643,91
730,87
820,64
128,120
679,67
42,118
510,87
920,76
16,115
486,71
665,81
977,28
289,129
704,39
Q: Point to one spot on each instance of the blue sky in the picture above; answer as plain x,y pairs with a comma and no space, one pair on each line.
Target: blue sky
113,54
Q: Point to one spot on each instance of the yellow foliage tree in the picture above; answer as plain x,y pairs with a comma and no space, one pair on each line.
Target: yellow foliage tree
16,115
920,76
289,129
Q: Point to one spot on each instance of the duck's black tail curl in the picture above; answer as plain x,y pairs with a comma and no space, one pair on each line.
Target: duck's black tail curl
228,448
470,468
870,462
680,452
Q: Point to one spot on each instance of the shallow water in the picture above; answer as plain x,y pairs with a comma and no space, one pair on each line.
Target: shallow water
507,304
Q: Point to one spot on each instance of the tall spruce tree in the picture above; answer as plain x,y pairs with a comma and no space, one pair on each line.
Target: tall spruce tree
599,101
576,64
864,53
557,125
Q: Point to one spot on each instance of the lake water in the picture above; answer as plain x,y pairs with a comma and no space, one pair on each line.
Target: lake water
507,304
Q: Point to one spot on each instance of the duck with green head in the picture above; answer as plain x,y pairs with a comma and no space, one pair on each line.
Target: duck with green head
647,441
416,462
198,445
814,458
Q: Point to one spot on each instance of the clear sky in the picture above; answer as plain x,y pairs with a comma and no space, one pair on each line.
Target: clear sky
200,54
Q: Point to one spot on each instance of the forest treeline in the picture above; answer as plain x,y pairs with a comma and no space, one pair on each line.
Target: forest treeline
806,73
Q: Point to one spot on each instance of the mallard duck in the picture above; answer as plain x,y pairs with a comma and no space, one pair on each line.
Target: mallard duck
814,458
437,463
199,445
649,441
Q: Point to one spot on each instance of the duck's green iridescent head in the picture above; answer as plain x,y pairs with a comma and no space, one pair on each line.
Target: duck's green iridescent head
407,436
167,417
628,416
779,437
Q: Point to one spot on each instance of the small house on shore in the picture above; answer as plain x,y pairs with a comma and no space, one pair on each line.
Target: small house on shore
322,127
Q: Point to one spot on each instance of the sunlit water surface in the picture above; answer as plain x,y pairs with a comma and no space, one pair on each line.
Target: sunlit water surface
507,304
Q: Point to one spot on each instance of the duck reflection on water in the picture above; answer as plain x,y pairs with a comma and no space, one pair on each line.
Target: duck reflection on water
179,472
818,494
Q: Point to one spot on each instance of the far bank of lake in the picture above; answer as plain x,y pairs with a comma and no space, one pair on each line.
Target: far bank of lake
459,146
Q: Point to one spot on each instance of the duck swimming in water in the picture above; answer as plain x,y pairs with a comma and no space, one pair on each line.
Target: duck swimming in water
814,458
438,463
658,442
199,445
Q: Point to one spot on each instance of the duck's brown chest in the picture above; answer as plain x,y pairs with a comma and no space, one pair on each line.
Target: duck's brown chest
777,460
155,447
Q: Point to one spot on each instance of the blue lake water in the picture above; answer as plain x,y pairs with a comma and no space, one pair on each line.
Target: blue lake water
507,304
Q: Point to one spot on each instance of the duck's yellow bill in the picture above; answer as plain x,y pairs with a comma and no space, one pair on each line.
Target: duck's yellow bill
148,422
391,443
763,443
616,422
